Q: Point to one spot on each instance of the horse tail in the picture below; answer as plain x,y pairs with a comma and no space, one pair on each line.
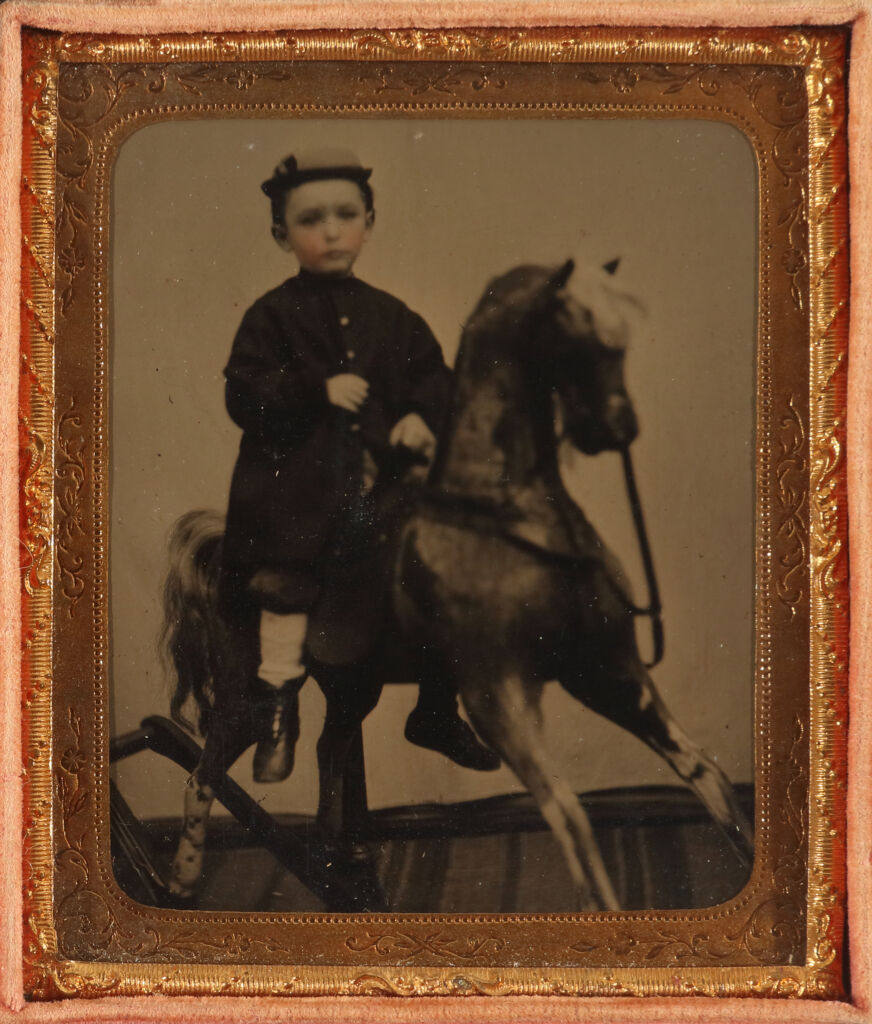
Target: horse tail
192,621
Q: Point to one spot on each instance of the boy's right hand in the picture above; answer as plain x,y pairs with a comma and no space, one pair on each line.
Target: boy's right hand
347,390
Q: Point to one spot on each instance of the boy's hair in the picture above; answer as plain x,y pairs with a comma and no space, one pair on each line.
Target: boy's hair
315,165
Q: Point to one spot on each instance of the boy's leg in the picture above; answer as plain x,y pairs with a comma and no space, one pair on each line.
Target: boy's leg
281,672
436,724
281,647
276,703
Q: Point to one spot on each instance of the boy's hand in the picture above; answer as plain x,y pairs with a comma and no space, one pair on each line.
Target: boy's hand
414,433
347,390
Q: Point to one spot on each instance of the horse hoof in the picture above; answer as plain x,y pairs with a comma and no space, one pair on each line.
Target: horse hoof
178,900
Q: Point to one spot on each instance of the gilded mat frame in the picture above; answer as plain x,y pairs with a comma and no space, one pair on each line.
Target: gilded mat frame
782,936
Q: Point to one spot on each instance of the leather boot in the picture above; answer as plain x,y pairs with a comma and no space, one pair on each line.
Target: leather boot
444,731
277,720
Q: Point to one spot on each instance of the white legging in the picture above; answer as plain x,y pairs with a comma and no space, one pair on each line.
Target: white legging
281,647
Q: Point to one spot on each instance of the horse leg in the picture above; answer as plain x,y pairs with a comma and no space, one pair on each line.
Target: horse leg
188,861
226,739
508,717
351,694
627,696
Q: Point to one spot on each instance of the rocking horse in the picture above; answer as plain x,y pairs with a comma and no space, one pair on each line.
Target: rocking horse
495,582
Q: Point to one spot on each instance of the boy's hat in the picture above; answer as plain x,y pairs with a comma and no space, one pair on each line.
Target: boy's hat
315,165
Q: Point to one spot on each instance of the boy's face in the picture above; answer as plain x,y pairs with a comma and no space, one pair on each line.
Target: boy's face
327,224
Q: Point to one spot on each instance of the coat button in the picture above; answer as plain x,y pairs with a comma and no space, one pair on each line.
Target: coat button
344,321
350,353
355,427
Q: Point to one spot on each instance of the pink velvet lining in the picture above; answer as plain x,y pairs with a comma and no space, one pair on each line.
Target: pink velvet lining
230,15
437,1010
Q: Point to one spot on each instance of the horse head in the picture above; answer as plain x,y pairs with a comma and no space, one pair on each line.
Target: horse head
584,336
570,327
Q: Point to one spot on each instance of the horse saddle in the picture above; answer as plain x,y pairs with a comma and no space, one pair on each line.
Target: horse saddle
549,524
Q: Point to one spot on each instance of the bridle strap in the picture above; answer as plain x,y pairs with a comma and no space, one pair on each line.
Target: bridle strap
654,609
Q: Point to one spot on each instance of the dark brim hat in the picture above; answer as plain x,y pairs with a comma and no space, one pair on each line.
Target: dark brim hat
315,165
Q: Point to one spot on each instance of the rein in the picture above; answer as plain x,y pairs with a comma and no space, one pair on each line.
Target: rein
654,611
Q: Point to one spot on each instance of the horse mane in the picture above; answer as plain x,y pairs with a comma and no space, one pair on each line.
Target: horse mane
616,314
505,302
509,298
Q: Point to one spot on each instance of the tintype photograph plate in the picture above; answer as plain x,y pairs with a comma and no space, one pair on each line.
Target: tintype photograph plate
433,540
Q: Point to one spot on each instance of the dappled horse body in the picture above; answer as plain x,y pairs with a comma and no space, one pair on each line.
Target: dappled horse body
499,581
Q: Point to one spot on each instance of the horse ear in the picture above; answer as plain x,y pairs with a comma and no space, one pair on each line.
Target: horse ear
612,265
559,278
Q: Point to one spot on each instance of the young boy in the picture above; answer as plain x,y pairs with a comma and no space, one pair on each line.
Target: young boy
325,373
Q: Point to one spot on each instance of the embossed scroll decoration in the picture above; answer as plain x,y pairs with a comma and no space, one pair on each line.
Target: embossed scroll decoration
828,290
792,474
779,937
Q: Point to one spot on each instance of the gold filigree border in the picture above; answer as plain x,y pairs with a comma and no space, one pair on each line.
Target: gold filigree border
592,45
828,265
828,291
36,421
80,979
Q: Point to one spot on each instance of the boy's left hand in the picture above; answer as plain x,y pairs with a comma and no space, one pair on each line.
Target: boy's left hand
414,433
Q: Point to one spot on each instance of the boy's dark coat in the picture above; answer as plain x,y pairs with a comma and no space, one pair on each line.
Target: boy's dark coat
301,459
